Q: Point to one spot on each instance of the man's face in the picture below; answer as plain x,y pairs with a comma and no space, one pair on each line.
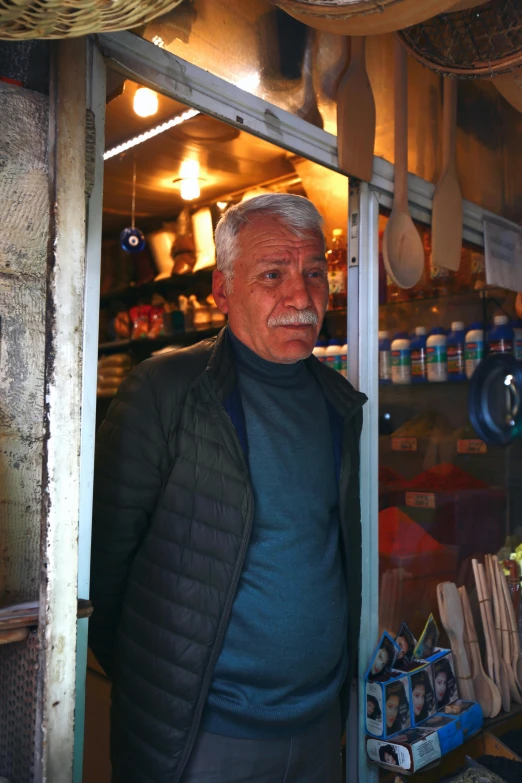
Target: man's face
278,277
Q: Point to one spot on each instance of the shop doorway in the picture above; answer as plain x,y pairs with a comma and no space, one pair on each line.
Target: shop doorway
170,175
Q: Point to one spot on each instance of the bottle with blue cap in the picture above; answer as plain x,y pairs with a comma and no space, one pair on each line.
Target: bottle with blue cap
333,354
456,352
419,371
436,349
474,347
501,338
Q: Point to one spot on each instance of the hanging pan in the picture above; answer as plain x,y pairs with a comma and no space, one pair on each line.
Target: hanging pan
475,43
362,17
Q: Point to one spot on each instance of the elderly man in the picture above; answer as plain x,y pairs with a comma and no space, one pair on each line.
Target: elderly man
226,555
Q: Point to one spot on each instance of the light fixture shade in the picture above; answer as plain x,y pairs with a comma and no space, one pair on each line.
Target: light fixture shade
145,102
190,189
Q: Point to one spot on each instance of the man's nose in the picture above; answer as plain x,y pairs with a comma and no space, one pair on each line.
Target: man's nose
297,294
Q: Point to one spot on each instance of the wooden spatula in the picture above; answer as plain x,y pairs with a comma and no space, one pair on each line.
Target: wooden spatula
451,615
356,116
486,692
402,246
500,676
447,199
516,657
504,650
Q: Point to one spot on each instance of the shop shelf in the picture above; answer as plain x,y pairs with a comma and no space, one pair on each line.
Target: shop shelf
147,345
180,282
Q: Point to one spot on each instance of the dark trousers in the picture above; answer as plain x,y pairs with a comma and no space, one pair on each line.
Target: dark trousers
310,756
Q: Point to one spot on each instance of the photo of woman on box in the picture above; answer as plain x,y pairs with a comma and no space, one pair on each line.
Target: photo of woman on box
444,682
422,696
397,710
427,644
373,708
388,755
384,657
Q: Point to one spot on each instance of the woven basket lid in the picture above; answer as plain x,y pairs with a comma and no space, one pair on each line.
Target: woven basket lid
476,43
26,19
362,17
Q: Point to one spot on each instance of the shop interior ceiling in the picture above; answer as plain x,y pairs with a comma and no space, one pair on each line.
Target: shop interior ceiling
299,69
230,161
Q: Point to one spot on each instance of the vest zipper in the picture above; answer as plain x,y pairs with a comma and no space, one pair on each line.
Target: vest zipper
229,600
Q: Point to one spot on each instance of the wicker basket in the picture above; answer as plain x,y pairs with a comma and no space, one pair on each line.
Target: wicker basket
362,17
478,43
25,19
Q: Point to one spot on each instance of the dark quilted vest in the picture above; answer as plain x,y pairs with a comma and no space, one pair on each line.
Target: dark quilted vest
173,509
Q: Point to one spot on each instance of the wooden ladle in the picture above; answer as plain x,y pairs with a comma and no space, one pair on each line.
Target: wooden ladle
452,618
497,672
356,116
486,692
402,246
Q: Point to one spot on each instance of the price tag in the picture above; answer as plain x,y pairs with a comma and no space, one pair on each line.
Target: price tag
420,499
404,444
471,446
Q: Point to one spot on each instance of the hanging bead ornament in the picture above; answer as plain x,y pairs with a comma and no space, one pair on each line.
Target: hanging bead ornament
131,238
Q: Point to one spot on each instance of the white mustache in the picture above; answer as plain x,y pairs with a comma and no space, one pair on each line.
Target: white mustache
299,318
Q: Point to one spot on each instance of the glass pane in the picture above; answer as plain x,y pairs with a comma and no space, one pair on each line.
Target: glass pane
444,495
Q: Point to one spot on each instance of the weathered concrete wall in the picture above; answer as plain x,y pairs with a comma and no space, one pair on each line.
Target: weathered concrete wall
24,209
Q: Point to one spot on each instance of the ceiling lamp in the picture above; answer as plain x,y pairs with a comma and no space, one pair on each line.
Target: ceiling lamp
145,102
189,180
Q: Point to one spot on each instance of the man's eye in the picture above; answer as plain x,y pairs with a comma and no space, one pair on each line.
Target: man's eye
316,273
271,275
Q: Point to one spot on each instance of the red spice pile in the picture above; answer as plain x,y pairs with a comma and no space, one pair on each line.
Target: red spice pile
400,536
445,477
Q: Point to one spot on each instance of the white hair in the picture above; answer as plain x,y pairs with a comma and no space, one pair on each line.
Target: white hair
297,213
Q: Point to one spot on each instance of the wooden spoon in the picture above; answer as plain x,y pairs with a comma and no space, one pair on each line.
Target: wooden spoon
500,676
486,692
450,610
515,640
504,647
402,246
356,116
447,199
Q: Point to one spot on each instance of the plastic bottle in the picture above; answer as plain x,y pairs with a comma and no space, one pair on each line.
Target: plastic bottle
333,354
320,350
344,360
501,338
337,260
384,357
456,351
517,331
474,348
418,355
436,348
401,360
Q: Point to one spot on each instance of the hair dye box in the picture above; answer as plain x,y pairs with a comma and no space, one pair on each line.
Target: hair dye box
422,694
409,751
468,714
388,708
444,678
449,731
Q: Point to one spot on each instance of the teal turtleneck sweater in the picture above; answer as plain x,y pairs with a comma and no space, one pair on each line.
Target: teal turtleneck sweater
284,657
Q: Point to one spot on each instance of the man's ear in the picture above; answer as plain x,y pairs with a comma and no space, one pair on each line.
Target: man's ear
219,291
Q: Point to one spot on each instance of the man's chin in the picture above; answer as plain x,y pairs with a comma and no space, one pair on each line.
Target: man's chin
292,351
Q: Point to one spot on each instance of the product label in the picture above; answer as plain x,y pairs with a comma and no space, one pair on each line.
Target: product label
344,365
418,363
337,281
384,365
474,354
334,361
438,272
401,366
455,360
420,499
427,751
437,363
404,444
501,346
471,446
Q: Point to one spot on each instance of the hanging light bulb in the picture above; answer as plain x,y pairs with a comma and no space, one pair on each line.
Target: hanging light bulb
145,102
189,181
190,189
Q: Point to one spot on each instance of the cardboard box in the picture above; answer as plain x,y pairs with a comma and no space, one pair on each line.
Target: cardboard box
468,714
449,730
422,694
444,678
388,708
409,751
